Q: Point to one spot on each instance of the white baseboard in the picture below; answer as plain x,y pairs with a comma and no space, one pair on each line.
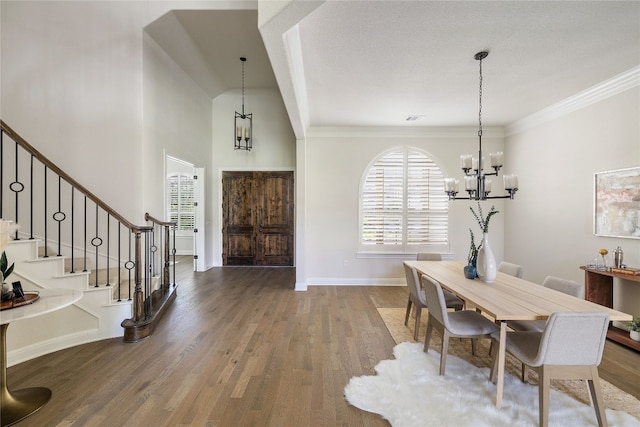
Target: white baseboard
355,282
38,349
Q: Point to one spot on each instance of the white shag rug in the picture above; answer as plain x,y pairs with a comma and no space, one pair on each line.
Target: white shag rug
407,391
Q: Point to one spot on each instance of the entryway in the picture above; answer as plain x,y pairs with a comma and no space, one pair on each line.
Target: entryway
257,218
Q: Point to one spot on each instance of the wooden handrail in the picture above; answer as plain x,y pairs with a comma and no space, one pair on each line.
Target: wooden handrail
30,149
148,217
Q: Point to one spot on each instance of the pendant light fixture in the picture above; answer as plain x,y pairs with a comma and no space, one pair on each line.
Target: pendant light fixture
243,123
475,182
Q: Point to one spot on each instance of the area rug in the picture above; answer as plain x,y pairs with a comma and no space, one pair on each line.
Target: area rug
407,391
615,399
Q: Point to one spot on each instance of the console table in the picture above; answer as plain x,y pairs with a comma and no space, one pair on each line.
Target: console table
598,288
19,404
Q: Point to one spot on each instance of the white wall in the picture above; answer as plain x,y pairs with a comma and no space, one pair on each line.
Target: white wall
72,85
549,227
178,123
335,163
274,146
65,90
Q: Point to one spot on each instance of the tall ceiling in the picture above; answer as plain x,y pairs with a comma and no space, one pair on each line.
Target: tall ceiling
373,63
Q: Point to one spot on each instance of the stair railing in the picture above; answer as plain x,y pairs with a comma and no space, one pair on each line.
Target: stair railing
50,205
167,248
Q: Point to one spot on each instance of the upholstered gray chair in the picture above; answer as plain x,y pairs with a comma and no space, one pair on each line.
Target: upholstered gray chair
428,256
457,324
568,287
419,300
569,347
511,269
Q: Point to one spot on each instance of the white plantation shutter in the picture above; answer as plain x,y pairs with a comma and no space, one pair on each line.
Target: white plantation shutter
403,203
181,188
382,201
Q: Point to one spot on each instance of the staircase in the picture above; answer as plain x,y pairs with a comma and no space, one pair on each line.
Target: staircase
96,316
69,238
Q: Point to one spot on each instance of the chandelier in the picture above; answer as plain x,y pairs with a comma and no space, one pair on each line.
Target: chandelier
476,183
243,123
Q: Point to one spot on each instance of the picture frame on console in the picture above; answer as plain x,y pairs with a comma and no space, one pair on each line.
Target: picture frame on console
617,203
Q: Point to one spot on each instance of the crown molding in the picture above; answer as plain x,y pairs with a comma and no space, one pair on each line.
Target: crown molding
402,132
618,84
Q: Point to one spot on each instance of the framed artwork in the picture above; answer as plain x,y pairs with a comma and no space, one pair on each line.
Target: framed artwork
617,203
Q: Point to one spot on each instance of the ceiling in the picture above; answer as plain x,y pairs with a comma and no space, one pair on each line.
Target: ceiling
373,63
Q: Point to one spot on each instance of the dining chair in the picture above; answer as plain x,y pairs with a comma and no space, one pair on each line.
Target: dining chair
456,324
418,298
568,287
569,347
511,269
428,256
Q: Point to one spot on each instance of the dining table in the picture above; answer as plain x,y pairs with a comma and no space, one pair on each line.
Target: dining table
505,299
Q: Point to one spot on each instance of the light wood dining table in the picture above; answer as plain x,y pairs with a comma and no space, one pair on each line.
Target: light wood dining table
507,298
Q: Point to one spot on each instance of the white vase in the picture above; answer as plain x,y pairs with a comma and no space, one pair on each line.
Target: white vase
635,335
486,263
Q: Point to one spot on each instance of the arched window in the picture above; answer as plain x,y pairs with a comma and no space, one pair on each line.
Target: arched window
403,206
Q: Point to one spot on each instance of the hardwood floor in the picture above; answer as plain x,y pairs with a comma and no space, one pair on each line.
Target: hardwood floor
239,347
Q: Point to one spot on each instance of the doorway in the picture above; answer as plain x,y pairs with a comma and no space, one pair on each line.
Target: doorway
257,218
184,204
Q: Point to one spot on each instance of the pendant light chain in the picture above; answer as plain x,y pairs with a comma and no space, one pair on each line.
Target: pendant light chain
480,103
242,85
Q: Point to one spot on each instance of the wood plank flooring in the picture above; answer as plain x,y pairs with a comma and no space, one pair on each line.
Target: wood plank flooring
239,347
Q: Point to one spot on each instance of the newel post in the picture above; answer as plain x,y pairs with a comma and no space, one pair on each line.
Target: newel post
165,270
138,297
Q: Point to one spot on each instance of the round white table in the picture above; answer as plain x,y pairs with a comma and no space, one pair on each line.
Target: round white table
19,404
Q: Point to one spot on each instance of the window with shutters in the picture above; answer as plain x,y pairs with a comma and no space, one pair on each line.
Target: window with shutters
403,206
181,200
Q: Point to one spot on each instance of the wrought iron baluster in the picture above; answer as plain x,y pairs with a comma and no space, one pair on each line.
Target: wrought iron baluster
129,265
149,253
73,215
59,216
84,240
46,223
119,261
15,181
31,182
165,271
96,242
16,186
108,252
173,252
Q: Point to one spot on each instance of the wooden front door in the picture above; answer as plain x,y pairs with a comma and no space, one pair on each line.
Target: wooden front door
257,215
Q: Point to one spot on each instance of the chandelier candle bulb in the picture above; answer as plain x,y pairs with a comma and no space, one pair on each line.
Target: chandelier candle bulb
466,161
510,182
487,185
470,183
475,164
497,159
451,184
